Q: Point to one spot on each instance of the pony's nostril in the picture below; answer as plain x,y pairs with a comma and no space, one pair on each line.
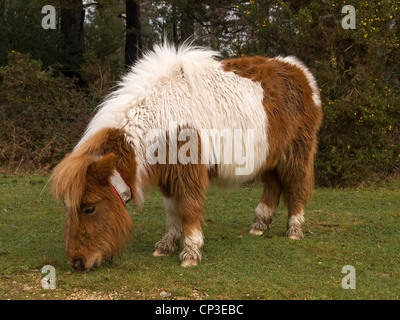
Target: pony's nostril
78,263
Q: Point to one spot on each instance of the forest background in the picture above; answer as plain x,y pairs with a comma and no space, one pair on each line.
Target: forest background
51,79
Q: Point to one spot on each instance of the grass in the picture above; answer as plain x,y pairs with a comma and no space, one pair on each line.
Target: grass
343,227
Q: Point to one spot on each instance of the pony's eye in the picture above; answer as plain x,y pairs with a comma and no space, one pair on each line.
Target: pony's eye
89,210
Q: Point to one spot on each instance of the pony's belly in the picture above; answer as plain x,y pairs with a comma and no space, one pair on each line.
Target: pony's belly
248,159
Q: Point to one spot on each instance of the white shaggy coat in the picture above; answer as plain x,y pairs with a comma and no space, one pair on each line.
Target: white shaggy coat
186,87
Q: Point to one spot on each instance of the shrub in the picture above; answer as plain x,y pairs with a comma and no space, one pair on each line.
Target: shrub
360,137
41,115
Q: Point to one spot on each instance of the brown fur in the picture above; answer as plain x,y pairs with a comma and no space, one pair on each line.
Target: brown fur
83,182
186,183
293,123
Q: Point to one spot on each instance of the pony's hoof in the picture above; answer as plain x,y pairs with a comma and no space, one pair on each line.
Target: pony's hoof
256,232
293,237
189,263
158,253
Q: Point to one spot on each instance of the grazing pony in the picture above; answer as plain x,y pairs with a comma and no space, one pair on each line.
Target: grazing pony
164,125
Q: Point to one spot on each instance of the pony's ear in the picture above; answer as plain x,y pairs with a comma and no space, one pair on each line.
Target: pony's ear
103,168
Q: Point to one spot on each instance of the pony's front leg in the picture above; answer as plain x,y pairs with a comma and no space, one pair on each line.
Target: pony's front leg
186,185
191,255
172,238
193,235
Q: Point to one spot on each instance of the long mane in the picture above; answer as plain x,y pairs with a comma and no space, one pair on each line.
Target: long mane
147,75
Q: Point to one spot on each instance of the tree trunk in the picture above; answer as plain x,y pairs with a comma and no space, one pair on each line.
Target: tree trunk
174,25
2,9
72,19
133,38
187,21
214,31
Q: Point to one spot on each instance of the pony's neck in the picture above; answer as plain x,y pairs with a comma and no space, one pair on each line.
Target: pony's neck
113,140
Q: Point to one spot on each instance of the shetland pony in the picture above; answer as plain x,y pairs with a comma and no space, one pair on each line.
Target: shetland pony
267,109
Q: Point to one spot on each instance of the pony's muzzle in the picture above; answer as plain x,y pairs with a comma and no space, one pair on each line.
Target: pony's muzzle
78,263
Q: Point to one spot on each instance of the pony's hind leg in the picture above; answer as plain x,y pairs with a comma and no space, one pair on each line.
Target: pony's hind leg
268,204
171,241
297,176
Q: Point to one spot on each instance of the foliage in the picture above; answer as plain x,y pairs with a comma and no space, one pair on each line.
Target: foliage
21,30
103,58
104,32
359,139
41,116
360,136
357,69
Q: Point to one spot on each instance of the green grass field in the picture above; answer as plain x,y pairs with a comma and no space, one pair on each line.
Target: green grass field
343,227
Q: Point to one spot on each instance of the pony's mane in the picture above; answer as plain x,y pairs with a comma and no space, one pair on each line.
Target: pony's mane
147,75
69,180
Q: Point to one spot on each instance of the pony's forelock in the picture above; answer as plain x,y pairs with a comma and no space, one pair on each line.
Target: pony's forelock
68,181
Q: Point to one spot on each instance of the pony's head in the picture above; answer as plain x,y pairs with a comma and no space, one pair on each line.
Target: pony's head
97,224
